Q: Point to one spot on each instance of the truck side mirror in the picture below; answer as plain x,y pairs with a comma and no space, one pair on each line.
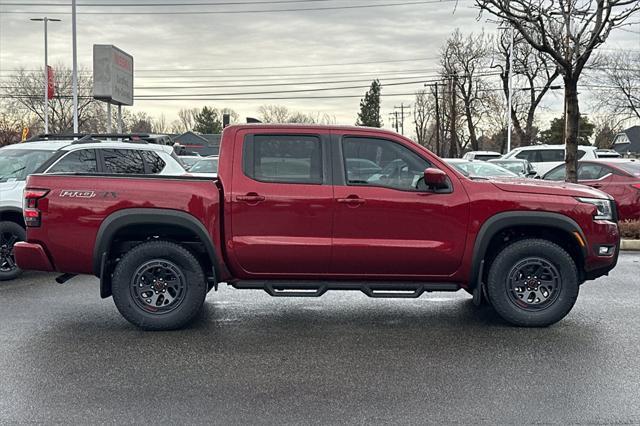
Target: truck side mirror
436,179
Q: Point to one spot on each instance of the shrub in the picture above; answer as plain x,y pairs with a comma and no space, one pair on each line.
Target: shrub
630,229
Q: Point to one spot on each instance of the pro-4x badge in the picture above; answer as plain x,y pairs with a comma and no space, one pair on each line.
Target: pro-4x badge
87,194
77,194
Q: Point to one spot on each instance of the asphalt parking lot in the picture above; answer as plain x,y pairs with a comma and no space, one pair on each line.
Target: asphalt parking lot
68,356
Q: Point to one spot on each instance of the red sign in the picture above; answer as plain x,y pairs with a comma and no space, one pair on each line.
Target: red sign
51,83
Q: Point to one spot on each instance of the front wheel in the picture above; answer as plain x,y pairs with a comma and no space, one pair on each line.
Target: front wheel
159,285
10,233
533,283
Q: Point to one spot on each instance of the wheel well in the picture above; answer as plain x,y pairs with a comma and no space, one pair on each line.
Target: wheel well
509,235
130,236
12,216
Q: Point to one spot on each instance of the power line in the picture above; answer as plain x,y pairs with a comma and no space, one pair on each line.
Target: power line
186,3
229,12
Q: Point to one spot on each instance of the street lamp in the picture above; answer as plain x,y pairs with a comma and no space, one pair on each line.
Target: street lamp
46,70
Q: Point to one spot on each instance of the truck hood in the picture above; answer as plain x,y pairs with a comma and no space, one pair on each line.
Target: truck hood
545,187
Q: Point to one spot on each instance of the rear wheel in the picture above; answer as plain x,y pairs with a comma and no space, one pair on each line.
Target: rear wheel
10,233
159,285
533,283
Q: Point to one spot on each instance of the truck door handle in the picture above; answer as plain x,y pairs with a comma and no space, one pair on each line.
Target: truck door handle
352,200
251,197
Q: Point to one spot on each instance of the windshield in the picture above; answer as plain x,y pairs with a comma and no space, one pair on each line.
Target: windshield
484,157
208,165
512,166
17,164
482,169
188,161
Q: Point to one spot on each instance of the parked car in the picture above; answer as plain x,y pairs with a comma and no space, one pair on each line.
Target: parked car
481,155
520,167
619,178
207,166
188,160
480,169
545,157
290,215
64,155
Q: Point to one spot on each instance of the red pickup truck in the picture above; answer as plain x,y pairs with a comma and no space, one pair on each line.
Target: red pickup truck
299,210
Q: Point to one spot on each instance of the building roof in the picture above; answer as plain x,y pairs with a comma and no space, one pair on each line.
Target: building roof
633,135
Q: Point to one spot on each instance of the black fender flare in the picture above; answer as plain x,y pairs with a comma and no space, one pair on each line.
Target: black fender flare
13,210
143,216
504,220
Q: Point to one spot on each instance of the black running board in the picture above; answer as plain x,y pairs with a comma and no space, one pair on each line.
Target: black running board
377,289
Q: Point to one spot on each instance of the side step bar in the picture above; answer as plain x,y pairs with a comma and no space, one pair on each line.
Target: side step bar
376,289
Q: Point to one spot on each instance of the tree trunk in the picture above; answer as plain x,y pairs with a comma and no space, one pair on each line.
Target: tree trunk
572,117
472,130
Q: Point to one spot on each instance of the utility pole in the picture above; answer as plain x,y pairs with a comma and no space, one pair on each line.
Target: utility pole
402,116
437,121
509,101
75,66
46,70
453,148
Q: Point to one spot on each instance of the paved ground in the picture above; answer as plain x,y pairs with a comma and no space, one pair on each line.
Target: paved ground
67,356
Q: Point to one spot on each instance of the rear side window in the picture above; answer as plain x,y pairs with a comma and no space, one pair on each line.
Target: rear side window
632,168
550,155
80,161
154,163
123,161
590,171
283,159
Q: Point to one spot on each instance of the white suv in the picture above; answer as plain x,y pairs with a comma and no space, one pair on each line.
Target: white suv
85,155
545,157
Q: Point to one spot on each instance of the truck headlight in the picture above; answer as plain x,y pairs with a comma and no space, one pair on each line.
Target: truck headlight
604,211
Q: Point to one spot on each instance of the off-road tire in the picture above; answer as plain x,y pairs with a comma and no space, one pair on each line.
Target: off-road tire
499,287
12,228
194,286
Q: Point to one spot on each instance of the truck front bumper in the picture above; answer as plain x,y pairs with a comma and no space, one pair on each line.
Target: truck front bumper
31,256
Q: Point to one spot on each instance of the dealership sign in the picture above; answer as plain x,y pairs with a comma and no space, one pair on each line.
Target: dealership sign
112,75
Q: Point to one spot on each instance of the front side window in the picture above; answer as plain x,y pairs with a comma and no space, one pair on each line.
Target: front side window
80,161
123,161
283,159
559,173
380,162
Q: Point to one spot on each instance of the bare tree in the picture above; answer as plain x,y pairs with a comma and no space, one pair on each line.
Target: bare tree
568,31
24,93
233,116
537,73
463,59
273,113
160,125
619,74
423,113
186,120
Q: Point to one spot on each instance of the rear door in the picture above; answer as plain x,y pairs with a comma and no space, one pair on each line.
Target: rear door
384,225
281,204
595,175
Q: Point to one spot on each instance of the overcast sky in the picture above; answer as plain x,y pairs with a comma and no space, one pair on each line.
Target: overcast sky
164,44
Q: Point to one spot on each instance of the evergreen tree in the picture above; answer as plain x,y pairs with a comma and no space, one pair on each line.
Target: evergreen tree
554,135
207,120
369,114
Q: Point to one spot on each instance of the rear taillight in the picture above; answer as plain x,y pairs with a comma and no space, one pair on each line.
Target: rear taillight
30,211
636,185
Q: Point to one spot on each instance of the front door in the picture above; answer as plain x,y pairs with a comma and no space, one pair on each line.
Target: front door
281,200
385,223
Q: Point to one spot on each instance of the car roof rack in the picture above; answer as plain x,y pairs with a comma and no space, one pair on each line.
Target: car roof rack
91,137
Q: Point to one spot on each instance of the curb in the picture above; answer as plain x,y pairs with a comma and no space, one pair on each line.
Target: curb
630,245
